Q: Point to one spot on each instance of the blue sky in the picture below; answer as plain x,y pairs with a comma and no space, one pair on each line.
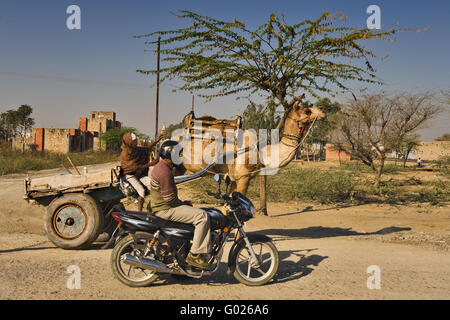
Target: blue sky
65,73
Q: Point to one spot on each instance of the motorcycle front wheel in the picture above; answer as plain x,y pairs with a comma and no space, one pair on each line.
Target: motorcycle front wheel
248,272
130,275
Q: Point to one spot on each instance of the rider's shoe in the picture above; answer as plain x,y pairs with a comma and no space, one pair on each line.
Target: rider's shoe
103,237
196,260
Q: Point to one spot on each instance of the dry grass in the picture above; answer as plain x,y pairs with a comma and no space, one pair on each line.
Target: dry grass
17,162
324,182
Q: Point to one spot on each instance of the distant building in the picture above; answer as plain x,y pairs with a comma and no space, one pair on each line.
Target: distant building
86,137
432,150
332,153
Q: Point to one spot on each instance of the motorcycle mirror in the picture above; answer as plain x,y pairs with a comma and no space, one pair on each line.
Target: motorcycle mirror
227,183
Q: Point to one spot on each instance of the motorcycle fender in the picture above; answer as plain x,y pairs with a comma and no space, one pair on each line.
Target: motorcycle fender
252,237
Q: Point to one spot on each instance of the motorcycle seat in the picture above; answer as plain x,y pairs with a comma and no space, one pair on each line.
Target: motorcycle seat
161,223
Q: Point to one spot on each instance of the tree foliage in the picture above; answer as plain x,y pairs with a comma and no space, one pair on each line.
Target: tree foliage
167,133
17,123
113,138
261,116
323,128
409,144
218,58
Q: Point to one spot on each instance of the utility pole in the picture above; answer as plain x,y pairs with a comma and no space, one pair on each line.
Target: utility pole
157,89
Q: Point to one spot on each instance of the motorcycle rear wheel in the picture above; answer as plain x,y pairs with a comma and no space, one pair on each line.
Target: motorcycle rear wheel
130,275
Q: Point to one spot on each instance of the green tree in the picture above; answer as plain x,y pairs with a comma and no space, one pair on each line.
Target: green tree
17,123
8,122
261,116
113,138
410,143
321,130
167,134
279,59
24,122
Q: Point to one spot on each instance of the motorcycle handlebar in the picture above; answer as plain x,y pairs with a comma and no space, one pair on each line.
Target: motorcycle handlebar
219,196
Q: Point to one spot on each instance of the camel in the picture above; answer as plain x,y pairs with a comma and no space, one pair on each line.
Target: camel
293,125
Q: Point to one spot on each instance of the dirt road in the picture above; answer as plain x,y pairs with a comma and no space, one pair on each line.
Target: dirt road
325,253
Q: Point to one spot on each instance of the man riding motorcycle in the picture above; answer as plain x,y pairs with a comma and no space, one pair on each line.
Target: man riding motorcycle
166,205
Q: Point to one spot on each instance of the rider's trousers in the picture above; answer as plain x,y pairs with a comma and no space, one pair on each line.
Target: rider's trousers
199,218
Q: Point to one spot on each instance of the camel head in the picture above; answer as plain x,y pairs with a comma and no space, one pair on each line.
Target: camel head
304,115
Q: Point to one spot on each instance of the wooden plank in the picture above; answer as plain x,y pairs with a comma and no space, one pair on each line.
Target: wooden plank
60,182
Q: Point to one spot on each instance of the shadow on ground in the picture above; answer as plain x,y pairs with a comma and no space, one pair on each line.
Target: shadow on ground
299,265
324,232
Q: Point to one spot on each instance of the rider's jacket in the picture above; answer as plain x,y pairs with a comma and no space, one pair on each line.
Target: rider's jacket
134,159
163,190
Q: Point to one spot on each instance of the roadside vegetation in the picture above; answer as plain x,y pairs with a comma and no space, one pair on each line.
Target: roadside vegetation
18,162
350,182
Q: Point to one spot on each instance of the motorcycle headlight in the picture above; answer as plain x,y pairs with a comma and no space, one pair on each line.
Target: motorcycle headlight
250,212
246,207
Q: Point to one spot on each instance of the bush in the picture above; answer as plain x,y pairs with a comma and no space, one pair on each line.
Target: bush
323,186
442,165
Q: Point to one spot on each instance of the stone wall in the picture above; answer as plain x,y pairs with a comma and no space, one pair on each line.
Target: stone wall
432,150
57,140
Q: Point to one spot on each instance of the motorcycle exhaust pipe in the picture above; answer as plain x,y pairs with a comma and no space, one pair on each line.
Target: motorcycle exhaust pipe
144,263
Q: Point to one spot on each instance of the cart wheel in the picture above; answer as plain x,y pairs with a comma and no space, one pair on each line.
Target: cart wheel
73,221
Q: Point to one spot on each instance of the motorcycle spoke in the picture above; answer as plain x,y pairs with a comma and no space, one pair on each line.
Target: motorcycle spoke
249,269
267,260
244,261
260,271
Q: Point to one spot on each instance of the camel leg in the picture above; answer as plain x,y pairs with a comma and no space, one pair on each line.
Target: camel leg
242,185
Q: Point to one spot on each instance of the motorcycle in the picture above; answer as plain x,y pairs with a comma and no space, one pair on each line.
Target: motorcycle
150,246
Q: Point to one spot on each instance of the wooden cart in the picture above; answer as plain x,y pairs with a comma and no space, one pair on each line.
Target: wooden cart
78,205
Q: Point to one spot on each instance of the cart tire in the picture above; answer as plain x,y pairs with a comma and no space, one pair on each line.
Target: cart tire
73,221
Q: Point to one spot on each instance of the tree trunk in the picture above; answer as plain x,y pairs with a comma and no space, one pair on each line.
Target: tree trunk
406,158
379,173
262,195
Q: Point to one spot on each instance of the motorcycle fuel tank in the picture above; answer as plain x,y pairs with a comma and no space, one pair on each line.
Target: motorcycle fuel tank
216,218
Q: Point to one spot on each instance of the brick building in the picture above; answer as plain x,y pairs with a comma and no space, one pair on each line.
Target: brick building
332,153
86,137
